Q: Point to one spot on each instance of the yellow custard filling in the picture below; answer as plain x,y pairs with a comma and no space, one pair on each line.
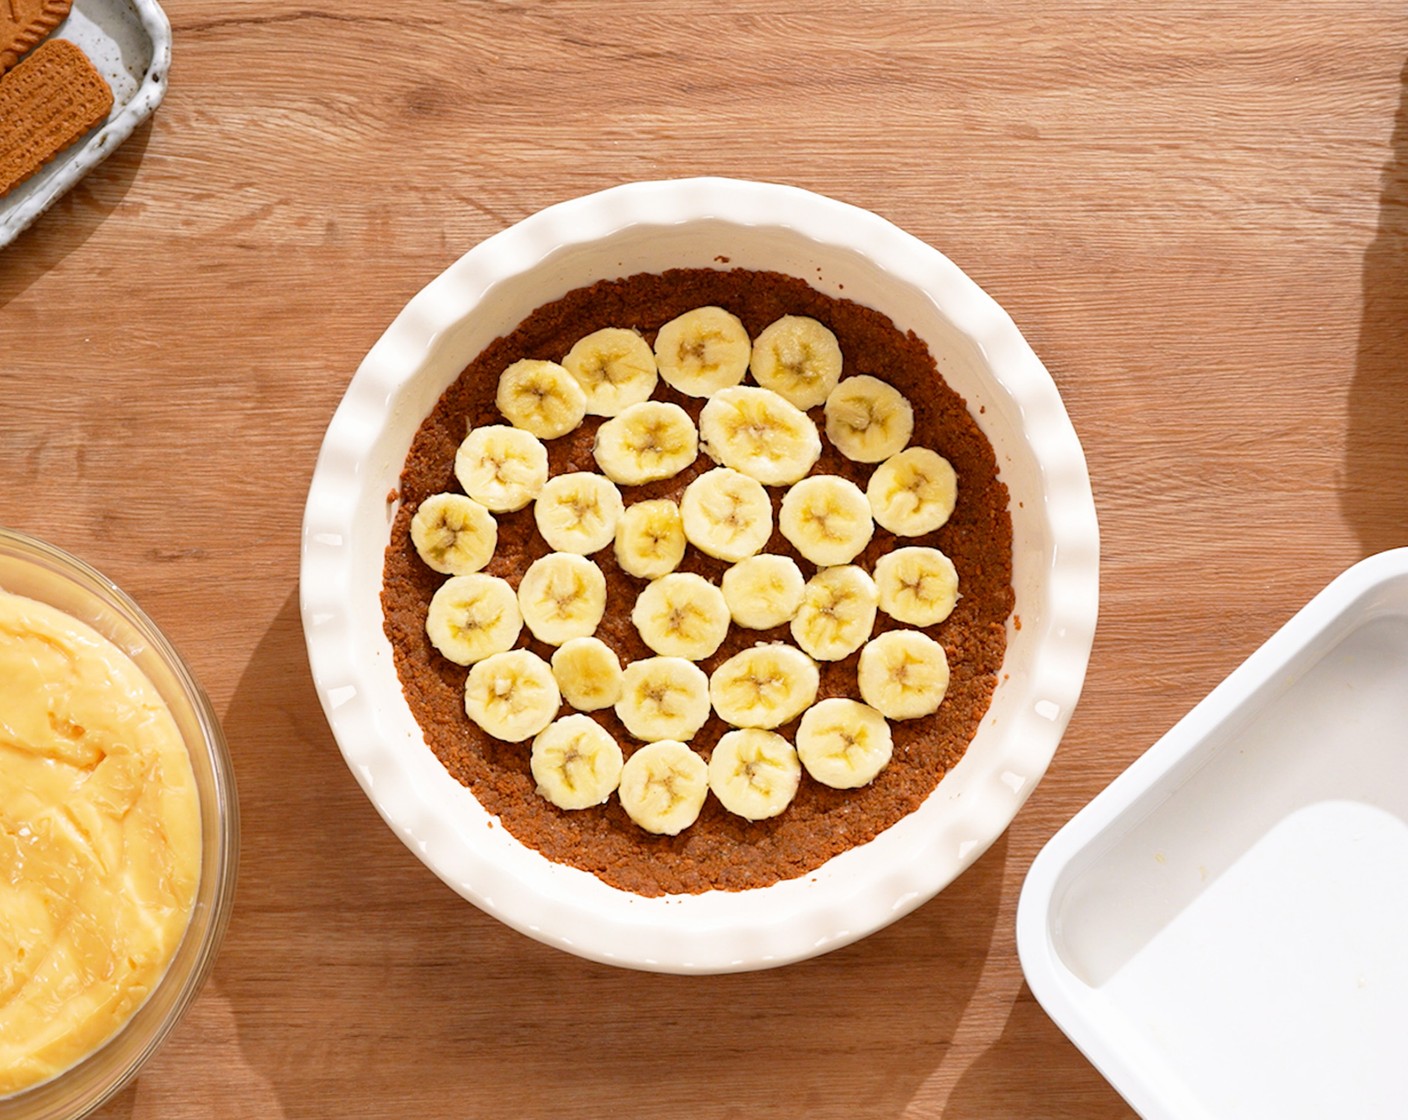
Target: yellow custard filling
99,840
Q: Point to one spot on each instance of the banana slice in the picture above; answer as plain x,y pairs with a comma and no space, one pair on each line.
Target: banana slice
681,615
512,695
578,512
837,613
728,515
903,674
650,539
702,351
663,787
473,616
562,596
614,367
663,698
912,493
765,686
757,432
763,591
799,359
915,585
588,673
645,443
827,519
843,744
501,468
576,762
868,420
754,774
454,534
541,397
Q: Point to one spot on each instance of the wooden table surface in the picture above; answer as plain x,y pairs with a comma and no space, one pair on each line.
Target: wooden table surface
1197,214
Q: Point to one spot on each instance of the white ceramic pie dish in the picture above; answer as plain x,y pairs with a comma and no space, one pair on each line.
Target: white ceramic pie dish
1222,929
650,227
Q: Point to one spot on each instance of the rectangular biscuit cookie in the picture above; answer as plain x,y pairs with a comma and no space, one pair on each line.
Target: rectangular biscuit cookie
24,24
47,102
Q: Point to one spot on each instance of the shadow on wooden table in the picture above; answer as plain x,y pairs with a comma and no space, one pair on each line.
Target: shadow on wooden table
358,981
1001,1084
73,219
1375,491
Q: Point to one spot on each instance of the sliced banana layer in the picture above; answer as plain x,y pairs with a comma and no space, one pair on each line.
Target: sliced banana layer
576,762
844,744
541,397
702,351
868,420
913,493
473,616
578,512
454,534
650,539
754,774
501,468
757,432
663,698
760,436
765,686
663,787
799,359
763,591
916,585
827,519
588,673
645,443
728,515
562,596
512,695
681,615
615,369
837,612
903,674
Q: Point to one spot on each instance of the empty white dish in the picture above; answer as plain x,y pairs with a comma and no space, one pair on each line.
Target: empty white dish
1222,931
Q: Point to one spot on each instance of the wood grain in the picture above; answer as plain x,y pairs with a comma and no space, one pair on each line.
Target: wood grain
1196,213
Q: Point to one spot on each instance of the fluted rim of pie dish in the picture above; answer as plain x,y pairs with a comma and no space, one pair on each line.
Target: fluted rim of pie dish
856,254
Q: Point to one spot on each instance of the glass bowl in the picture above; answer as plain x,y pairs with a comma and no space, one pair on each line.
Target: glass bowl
32,568
840,250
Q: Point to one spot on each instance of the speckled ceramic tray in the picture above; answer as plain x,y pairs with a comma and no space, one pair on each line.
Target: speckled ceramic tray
129,42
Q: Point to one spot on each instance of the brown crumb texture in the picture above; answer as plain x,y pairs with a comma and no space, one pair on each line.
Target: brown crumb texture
47,102
720,851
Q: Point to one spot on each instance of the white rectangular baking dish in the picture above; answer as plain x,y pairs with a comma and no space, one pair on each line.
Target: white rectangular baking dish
1223,931
129,43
